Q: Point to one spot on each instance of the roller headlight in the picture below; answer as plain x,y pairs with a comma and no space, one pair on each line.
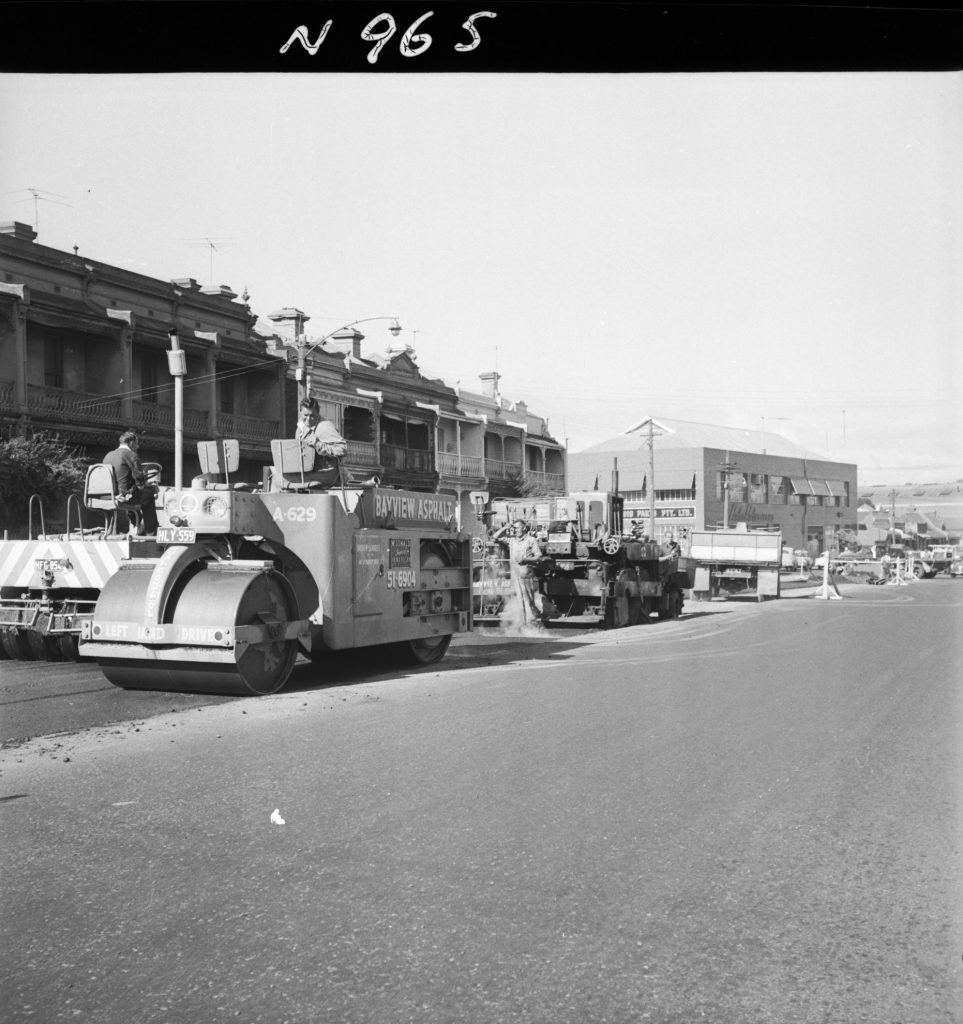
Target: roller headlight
188,503
170,503
215,507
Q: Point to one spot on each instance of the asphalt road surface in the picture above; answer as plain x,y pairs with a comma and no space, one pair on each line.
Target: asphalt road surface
749,815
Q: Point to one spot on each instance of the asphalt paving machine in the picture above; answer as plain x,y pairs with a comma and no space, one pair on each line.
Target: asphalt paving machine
593,572
596,572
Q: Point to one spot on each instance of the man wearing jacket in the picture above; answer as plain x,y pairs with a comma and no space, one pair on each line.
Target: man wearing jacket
133,491
323,436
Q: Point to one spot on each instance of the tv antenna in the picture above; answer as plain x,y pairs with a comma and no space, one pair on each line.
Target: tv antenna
212,247
38,195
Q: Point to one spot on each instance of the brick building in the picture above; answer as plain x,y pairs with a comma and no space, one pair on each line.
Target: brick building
699,475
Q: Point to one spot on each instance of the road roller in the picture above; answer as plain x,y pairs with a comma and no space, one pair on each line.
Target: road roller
245,580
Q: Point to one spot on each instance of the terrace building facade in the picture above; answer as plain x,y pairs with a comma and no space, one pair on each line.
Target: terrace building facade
83,355
414,431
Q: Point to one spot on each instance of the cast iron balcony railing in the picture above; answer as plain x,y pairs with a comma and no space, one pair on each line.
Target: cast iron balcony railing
407,460
548,482
460,466
159,419
74,406
247,428
361,453
496,469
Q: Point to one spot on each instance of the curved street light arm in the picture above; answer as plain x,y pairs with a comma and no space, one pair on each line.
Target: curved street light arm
395,329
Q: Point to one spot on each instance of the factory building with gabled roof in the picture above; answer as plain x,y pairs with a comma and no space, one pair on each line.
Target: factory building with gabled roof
677,476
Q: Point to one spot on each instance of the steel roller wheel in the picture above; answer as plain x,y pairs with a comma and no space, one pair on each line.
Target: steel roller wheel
43,646
15,645
425,651
69,650
210,599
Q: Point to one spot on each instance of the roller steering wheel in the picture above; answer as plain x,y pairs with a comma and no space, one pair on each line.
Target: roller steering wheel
611,544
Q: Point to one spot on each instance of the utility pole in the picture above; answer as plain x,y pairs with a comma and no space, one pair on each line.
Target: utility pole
727,468
651,443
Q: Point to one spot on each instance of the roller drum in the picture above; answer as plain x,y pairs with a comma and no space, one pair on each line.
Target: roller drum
210,598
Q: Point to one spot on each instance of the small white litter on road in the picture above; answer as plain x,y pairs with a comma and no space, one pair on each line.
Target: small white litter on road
276,817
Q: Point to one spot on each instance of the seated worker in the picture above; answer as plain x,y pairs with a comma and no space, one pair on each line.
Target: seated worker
323,437
132,487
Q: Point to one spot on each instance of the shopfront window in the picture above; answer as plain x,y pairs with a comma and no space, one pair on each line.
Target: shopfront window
757,488
778,490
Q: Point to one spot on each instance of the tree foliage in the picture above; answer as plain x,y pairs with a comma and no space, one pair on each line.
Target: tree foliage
40,464
526,487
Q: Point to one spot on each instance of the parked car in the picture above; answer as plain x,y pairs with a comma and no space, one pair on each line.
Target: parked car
956,566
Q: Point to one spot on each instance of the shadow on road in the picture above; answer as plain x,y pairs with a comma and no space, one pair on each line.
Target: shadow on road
376,664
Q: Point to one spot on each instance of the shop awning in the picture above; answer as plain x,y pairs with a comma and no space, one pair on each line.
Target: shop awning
837,488
820,489
674,480
800,485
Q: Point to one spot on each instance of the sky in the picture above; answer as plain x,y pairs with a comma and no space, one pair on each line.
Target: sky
776,251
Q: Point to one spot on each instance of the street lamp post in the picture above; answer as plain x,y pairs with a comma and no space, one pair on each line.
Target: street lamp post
299,319
177,364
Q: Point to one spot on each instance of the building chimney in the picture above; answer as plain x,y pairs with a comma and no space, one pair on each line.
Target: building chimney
491,379
224,290
15,229
348,341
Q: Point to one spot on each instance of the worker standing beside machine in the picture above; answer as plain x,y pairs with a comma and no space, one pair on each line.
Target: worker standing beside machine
524,553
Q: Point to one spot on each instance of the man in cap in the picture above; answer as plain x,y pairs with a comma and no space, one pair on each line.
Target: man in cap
524,552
